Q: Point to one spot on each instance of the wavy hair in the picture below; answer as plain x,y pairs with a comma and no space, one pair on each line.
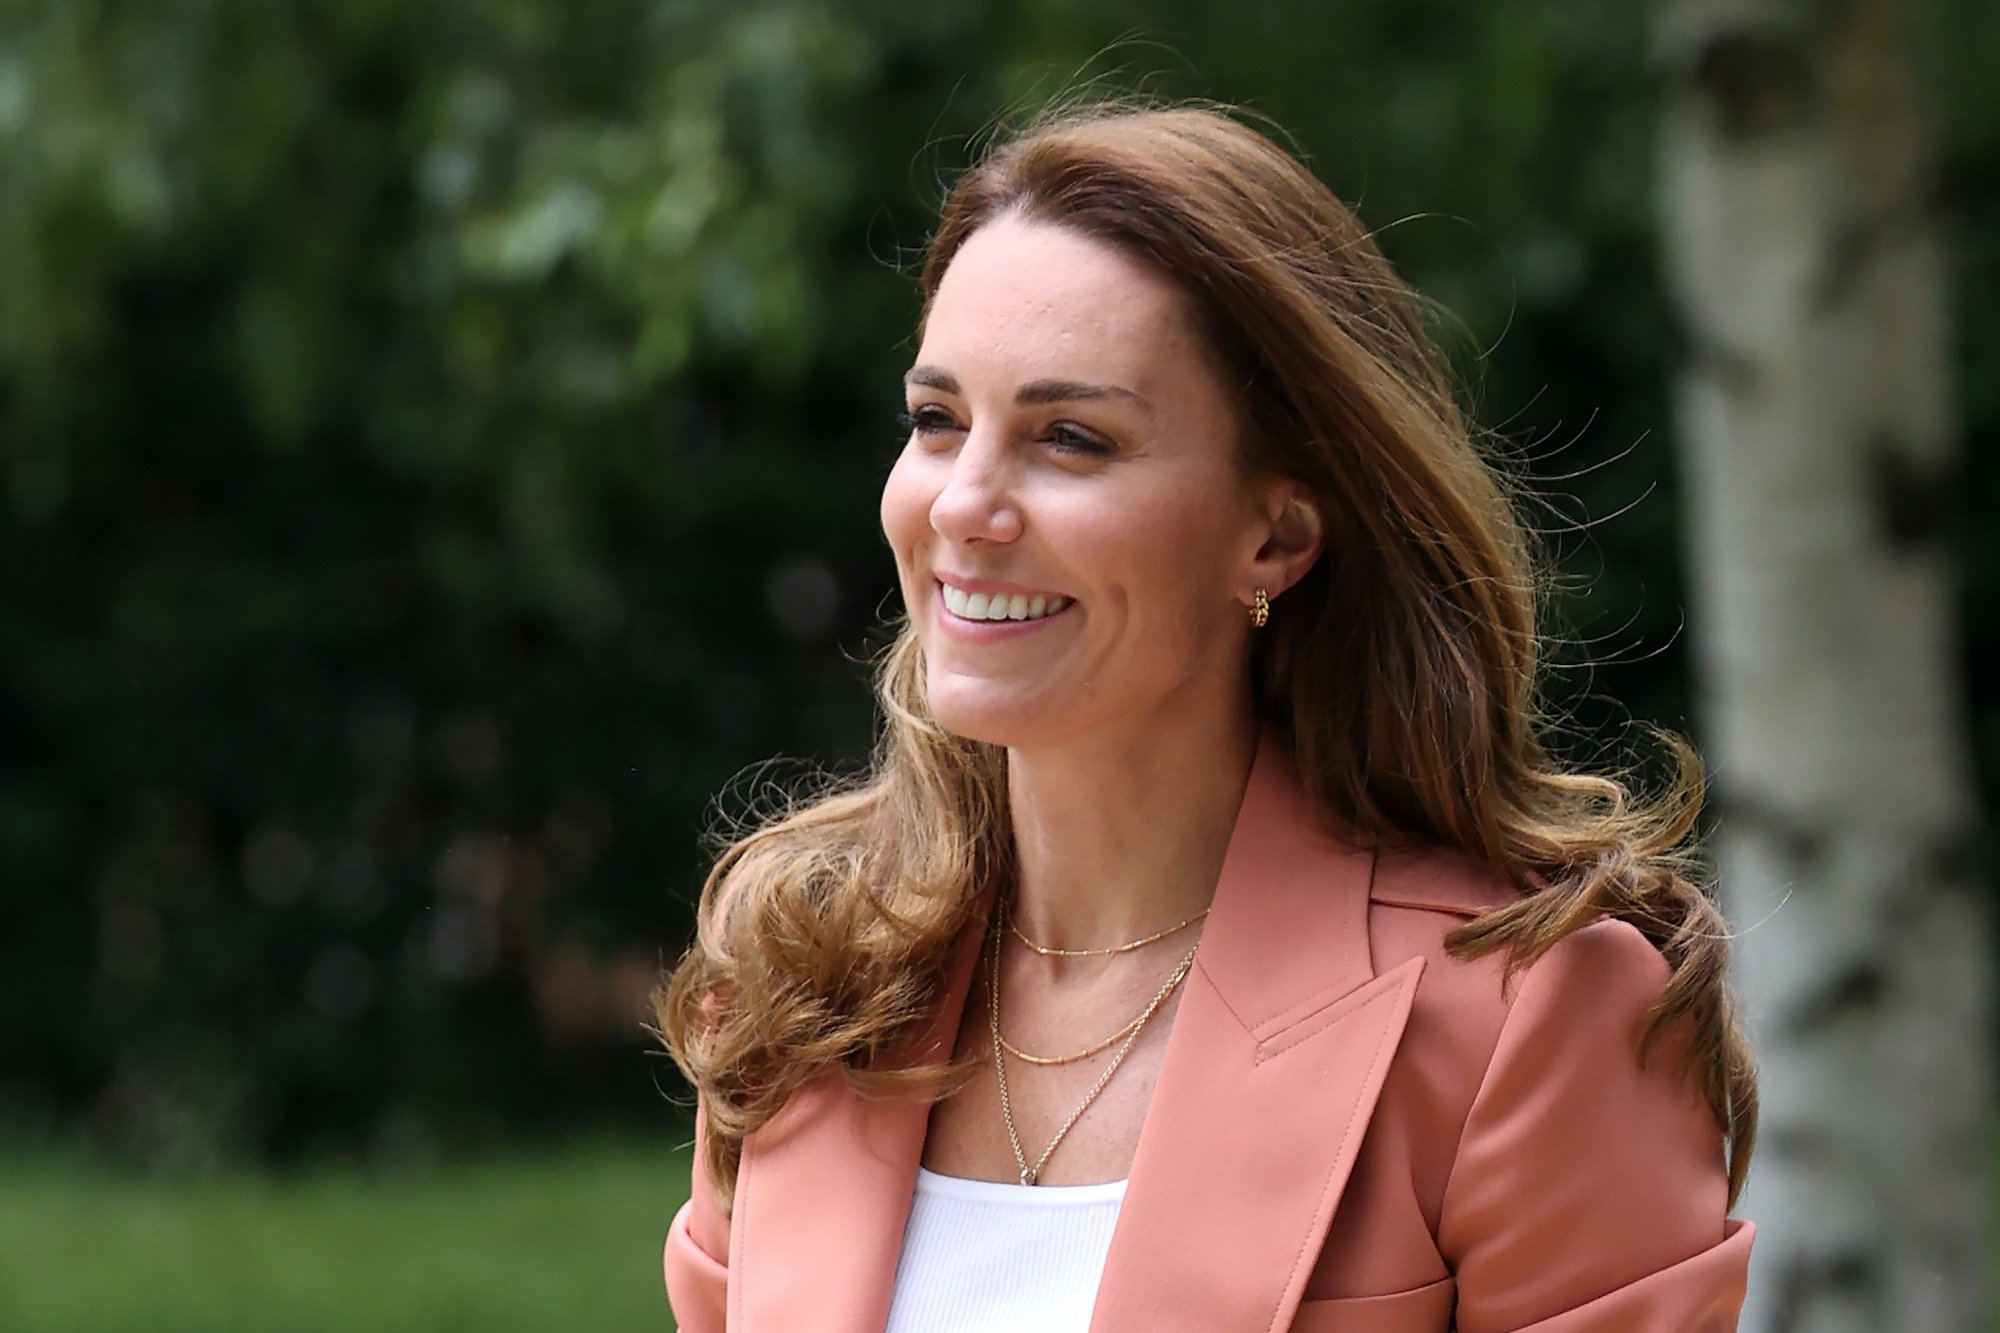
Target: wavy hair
1403,669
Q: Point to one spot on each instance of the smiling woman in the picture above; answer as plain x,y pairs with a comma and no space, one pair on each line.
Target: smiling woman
1213,943
1070,442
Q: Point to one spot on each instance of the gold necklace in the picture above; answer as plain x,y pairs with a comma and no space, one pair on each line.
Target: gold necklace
1096,1047
1047,952
1029,1174
1084,1054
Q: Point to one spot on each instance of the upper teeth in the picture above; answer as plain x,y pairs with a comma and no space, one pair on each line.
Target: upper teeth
1000,605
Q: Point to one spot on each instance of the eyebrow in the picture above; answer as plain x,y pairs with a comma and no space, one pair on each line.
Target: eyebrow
1033,392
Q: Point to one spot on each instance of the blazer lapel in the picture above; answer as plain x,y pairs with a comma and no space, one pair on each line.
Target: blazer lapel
1279,1049
827,1185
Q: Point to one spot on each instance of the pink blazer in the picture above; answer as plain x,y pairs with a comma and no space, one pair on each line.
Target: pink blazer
1351,1131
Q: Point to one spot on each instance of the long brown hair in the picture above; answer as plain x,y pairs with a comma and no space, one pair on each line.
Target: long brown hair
1402,668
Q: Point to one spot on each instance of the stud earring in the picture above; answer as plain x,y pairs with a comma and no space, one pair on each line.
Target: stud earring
1260,609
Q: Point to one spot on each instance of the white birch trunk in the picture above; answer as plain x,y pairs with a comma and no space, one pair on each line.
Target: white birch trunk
1806,256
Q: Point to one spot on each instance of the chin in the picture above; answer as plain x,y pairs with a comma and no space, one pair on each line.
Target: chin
1000,718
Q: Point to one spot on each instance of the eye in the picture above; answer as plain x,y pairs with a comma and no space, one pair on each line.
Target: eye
1075,440
1063,436
927,420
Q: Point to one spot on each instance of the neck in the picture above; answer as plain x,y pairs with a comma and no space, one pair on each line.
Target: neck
1120,836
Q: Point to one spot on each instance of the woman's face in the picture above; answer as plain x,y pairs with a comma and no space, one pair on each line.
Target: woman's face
1076,541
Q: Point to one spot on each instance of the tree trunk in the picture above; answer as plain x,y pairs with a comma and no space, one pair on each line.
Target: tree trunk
1805,250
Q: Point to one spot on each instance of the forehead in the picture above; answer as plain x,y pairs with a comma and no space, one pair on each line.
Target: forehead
1022,300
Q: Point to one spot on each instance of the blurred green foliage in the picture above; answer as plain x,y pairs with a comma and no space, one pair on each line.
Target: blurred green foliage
441,443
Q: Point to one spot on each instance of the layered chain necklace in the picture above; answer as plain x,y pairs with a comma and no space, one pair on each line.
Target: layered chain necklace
1126,1037
1048,951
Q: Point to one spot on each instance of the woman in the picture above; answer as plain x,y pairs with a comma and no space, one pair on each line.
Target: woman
1212,945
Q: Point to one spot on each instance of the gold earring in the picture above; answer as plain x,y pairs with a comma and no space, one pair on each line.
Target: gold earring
1260,609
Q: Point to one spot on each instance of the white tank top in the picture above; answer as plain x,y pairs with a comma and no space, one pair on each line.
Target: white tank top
984,1257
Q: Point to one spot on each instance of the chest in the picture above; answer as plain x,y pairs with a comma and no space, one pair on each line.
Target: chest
1092,1111
1215,1223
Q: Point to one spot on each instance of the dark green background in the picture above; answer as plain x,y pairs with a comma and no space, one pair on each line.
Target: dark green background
439,446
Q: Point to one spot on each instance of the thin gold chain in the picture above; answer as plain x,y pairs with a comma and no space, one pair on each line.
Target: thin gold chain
1048,952
1084,1054
1029,1174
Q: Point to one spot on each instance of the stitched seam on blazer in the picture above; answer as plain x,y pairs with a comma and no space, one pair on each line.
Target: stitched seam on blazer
1216,991
1319,1020
1339,1154
1360,941
1372,1298
1390,898
1298,1012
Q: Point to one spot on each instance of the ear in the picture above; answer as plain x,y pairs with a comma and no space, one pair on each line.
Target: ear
1294,534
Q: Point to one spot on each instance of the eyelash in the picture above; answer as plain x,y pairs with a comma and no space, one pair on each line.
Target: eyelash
1065,437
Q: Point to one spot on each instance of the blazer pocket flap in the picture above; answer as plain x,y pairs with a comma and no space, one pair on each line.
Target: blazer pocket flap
1425,1309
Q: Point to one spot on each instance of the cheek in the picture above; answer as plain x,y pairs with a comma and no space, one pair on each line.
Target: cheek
906,506
1175,554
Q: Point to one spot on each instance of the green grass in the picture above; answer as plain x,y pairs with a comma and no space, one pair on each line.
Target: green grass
558,1240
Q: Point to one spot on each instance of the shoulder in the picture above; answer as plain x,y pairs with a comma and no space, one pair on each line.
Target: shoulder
1587,993
1419,895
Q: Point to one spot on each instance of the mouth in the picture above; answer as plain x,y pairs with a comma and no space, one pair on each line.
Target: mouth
1001,605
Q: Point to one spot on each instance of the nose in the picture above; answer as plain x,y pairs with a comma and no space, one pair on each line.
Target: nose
977,502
